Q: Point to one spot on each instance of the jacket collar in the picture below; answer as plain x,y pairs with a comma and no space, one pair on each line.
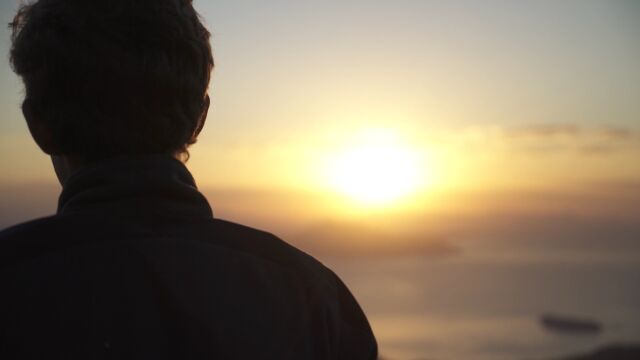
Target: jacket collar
150,183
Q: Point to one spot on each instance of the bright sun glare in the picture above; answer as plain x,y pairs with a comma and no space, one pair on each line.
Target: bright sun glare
376,169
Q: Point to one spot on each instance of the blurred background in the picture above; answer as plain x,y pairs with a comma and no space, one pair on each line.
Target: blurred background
471,169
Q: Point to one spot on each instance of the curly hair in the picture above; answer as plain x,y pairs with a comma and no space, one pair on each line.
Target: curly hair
114,77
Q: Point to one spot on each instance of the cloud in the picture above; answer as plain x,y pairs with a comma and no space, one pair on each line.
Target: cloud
598,149
573,130
617,133
546,130
584,140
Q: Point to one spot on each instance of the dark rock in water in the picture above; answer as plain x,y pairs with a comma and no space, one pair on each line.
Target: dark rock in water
570,325
612,352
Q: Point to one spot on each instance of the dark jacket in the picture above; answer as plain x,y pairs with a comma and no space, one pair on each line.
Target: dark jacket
134,266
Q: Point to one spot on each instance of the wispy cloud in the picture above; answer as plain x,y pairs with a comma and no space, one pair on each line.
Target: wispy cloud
573,130
546,130
562,137
617,133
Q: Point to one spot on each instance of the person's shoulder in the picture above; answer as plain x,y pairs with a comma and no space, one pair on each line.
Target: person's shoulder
43,236
263,244
28,230
271,248
24,239
327,289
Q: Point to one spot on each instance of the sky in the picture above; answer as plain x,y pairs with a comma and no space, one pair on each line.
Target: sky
489,101
534,76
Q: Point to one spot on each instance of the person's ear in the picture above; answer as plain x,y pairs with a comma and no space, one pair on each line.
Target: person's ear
41,133
203,117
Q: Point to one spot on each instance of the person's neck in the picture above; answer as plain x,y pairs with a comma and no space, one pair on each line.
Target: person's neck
64,166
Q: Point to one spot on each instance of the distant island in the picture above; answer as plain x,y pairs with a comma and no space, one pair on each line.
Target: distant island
365,240
570,325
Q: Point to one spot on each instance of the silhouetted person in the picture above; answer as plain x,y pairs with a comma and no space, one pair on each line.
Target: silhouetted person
134,265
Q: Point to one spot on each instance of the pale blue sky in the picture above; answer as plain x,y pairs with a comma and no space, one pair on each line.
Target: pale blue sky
502,62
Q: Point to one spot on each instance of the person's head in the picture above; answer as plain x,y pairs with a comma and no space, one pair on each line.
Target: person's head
108,78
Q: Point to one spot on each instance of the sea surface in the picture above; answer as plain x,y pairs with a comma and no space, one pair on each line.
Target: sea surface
485,303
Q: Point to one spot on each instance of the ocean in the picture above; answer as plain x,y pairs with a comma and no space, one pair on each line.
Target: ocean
486,302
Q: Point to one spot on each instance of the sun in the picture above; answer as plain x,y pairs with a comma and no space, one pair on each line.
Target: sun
376,169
